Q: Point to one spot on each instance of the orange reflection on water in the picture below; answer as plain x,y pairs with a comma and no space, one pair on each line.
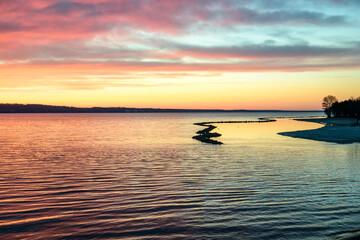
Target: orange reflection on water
261,131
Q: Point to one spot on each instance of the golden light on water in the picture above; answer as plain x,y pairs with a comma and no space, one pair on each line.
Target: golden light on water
233,133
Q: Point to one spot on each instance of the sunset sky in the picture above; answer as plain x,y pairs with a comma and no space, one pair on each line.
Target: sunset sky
244,54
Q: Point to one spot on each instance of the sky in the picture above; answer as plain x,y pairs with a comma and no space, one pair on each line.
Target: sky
209,54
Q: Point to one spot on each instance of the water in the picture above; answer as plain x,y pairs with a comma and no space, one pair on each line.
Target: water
141,176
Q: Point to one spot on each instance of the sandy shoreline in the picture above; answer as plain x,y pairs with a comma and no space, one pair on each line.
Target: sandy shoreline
335,130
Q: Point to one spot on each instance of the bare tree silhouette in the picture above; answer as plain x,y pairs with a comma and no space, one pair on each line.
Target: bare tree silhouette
327,103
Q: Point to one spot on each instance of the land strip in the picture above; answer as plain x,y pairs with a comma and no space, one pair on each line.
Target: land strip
334,130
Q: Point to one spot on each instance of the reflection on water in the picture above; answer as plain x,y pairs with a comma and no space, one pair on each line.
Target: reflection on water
141,176
236,133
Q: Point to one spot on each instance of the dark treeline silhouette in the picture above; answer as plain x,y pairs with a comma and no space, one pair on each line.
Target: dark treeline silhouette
346,109
38,108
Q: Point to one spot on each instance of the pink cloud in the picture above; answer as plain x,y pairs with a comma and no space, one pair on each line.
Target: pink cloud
43,30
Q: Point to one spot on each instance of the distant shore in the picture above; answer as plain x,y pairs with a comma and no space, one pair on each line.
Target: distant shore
335,130
40,108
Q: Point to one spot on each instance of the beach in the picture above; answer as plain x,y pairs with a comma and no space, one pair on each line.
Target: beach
335,130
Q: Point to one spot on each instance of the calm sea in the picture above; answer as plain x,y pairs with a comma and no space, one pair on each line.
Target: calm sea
142,176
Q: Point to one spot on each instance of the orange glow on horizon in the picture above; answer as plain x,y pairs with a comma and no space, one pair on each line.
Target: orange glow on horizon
106,86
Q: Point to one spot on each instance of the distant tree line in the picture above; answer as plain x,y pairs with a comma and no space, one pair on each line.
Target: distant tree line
346,109
38,108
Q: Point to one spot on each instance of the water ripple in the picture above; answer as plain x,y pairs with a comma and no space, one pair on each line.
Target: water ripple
94,181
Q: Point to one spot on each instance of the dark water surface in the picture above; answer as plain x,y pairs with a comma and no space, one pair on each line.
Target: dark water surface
141,176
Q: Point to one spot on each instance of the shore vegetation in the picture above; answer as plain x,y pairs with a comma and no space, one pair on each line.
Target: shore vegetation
349,108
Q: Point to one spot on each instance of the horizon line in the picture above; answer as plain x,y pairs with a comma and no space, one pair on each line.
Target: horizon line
159,109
